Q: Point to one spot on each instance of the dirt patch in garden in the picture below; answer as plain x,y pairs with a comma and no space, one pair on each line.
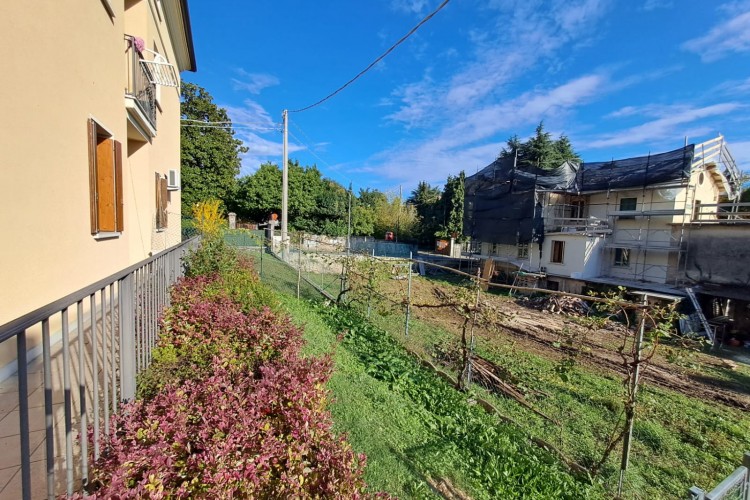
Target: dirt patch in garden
535,329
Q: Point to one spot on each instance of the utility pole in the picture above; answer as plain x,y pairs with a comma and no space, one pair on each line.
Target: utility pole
284,188
349,226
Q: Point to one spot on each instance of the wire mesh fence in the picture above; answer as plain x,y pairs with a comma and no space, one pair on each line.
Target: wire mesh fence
564,368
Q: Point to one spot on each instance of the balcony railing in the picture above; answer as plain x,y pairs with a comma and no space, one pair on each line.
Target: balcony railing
727,213
93,343
586,225
140,86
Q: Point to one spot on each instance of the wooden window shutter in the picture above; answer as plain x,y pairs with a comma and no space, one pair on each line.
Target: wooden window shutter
164,199
105,186
119,205
92,176
161,201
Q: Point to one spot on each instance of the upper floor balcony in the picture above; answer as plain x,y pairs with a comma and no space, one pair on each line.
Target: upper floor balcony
721,213
140,94
583,225
147,71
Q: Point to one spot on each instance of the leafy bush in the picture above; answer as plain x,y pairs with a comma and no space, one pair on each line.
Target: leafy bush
211,257
226,436
228,407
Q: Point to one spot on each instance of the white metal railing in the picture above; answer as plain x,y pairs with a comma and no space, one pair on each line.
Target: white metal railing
735,487
577,224
645,239
716,151
107,331
738,213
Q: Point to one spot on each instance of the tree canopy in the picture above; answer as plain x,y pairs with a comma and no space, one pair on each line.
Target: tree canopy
427,201
210,154
316,204
540,150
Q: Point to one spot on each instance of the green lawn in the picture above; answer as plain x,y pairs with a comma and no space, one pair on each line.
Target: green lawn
679,441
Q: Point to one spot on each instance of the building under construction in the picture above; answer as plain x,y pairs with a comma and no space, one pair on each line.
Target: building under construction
663,222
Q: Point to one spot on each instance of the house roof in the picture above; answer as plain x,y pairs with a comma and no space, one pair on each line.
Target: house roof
501,206
178,23
594,176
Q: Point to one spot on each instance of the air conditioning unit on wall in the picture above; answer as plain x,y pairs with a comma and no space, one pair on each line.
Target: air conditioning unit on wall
173,180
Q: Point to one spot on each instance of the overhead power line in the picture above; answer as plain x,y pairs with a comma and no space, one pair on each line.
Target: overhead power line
382,56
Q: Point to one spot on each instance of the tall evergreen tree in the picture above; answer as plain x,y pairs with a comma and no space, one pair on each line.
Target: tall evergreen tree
540,150
454,206
428,203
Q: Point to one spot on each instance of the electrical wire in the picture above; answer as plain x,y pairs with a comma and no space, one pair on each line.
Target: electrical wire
311,151
382,56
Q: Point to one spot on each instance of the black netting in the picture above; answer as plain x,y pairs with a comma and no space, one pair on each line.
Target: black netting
501,201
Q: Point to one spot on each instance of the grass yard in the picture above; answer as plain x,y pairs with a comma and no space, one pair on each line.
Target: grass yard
425,439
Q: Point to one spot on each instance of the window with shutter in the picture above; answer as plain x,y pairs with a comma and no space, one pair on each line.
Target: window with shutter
105,182
558,252
162,198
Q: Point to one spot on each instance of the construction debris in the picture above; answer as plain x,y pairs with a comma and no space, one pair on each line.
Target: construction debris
559,304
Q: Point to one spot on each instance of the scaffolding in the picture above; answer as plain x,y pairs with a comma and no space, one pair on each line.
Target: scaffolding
641,209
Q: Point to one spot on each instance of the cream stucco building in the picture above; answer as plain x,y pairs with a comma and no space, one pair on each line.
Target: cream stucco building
90,133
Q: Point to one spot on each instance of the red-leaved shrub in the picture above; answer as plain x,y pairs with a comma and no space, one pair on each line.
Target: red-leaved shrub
228,409
225,437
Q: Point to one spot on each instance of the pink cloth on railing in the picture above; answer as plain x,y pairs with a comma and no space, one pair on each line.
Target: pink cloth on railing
139,44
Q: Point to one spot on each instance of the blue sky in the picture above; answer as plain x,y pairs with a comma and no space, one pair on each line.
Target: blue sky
620,78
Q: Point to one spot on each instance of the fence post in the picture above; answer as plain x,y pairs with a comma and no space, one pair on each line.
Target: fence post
127,338
630,413
299,267
471,335
262,251
696,493
408,299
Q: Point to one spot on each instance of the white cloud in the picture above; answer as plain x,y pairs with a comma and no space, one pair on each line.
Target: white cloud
468,141
409,6
251,114
253,82
650,5
525,32
731,36
254,126
674,122
734,87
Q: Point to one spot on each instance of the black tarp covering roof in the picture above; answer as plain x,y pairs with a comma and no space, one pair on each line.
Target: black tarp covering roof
501,203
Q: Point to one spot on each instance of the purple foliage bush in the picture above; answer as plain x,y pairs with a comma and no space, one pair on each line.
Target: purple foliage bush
229,410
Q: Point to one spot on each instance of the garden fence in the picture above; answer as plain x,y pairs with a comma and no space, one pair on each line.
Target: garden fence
77,361
464,332
735,487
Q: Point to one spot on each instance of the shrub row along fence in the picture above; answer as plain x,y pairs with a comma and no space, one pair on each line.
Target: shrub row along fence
77,360
520,350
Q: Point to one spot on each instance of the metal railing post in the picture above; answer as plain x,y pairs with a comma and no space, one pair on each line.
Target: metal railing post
127,338
49,421
23,415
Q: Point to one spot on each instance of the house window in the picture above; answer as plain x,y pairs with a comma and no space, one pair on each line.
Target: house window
523,250
578,209
697,210
558,252
105,182
494,249
628,205
622,257
162,197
